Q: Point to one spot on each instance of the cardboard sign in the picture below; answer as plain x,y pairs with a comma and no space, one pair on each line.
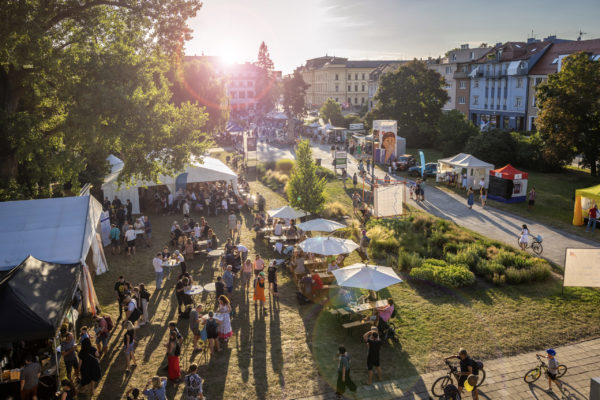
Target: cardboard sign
582,268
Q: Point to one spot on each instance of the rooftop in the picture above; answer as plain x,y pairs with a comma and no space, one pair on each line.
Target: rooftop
548,63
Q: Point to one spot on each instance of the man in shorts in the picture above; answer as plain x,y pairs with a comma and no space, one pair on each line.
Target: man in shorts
30,376
115,236
374,345
130,237
468,367
552,368
195,325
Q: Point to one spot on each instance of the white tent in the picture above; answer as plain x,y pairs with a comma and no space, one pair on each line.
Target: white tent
476,169
210,170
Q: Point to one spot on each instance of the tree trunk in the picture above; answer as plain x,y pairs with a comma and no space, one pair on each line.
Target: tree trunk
593,167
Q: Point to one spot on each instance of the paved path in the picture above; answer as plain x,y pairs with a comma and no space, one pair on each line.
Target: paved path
490,222
504,379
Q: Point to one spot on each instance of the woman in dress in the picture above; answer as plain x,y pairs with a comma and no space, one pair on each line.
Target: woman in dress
128,346
483,196
524,239
173,352
89,365
259,290
470,197
224,309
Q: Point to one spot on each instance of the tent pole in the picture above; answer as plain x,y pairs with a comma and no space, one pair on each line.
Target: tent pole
57,361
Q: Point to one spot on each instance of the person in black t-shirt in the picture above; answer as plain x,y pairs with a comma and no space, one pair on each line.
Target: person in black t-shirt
179,288
374,344
120,290
468,367
219,287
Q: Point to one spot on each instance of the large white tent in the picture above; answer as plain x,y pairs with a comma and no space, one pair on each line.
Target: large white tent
210,170
475,168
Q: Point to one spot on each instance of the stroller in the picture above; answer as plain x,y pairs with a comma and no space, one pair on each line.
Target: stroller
388,331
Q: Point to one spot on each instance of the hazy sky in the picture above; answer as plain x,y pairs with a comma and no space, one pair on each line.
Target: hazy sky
295,30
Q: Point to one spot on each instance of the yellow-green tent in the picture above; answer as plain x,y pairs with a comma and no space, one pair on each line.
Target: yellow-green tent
584,199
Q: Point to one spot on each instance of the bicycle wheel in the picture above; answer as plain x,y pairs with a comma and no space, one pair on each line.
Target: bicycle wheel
537,248
438,386
562,369
532,375
481,377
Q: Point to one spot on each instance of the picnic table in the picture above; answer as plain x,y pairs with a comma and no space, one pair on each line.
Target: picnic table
326,277
283,238
194,290
210,289
358,308
140,231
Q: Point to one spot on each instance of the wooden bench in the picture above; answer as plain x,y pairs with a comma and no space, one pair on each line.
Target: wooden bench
354,324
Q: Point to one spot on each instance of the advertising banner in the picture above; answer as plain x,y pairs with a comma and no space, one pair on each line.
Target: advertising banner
386,131
180,185
582,268
341,159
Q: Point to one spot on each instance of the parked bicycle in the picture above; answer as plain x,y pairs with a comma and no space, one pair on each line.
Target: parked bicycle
440,383
534,374
535,242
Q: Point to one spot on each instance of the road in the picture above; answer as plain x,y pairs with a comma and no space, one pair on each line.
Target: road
493,223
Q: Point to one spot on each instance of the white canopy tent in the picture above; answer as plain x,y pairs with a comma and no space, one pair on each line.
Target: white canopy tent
210,170
476,169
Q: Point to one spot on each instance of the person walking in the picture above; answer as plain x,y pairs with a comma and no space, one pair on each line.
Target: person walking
129,347
101,331
89,365
524,238
272,279
144,299
552,368
157,263
130,237
193,384
470,197
259,265
354,180
232,224
69,352
343,378
259,291
374,345
173,353
228,279
148,231
468,367
246,274
531,198
212,332
483,196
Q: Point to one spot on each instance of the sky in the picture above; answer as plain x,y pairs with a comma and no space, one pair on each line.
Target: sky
297,30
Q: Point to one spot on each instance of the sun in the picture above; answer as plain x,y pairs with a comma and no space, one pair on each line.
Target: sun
230,54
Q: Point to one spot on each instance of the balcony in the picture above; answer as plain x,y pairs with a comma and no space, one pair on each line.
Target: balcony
460,75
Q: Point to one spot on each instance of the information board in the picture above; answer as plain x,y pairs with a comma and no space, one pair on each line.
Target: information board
582,268
341,159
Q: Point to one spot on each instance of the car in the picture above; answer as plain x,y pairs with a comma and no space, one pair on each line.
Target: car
430,170
404,162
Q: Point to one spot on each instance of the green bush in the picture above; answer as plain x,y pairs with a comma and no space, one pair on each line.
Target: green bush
284,166
408,261
467,257
451,248
506,258
447,275
438,239
333,210
489,268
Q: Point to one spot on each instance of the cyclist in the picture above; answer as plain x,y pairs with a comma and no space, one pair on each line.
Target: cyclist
552,368
468,367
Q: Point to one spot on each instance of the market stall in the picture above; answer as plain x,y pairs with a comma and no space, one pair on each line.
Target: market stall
464,164
508,185
584,200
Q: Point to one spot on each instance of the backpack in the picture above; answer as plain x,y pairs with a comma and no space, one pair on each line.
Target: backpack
109,323
135,314
479,365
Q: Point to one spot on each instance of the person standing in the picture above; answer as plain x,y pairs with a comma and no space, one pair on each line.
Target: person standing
129,346
89,365
483,196
157,262
354,180
115,237
120,290
148,231
374,345
193,384
531,198
120,213
212,332
179,289
144,299
232,224
186,209
69,352
130,237
259,290
272,278
259,265
228,279
101,331
552,368
30,377
592,218
156,388
129,211
470,197
343,379
524,238
246,274
225,331
173,352
195,325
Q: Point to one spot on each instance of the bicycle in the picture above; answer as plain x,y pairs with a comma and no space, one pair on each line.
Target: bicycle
440,383
535,242
534,374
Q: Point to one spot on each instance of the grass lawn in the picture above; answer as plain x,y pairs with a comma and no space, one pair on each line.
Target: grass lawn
289,352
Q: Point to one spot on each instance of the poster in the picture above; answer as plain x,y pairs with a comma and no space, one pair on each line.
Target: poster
386,131
582,268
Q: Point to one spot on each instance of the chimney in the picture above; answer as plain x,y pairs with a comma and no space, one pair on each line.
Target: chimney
531,40
464,46
550,38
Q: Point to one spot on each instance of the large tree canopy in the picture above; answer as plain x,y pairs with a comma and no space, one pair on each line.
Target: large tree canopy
414,96
294,90
80,79
267,88
331,111
569,117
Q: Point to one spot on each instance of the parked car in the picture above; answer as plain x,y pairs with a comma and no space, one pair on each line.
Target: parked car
430,170
404,162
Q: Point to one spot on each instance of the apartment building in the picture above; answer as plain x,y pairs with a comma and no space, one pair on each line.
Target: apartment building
345,81
374,78
551,63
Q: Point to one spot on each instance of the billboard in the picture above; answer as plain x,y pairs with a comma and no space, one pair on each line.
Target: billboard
386,131
582,268
389,200
341,159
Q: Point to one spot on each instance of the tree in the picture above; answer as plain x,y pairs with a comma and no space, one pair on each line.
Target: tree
264,58
294,91
266,83
569,111
331,111
82,79
454,131
197,82
494,146
305,190
414,96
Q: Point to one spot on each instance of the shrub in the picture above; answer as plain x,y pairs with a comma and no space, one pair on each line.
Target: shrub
408,261
284,166
479,249
448,275
506,258
537,272
492,252
382,242
490,269
467,257
436,262
422,223
438,239
334,210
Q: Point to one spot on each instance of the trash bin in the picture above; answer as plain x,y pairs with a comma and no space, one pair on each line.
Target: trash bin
318,162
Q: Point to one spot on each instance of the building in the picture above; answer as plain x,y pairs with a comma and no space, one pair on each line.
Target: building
338,78
375,76
550,63
241,86
499,84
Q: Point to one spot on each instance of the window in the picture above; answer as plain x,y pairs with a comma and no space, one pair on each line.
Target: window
463,84
349,77
233,95
505,122
349,88
476,83
533,101
241,84
453,56
362,100
349,100
518,101
538,81
363,87
355,77
461,99
249,84
242,94
337,88
520,82
337,78
472,55
249,95
356,88
475,100
448,70
356,100
363,76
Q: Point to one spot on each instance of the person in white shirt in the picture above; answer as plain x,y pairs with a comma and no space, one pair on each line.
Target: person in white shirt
333,266
482,183
224,205
279,247
170,201
186,209
197,231
157,262
130,237
243,251
179,257
278,230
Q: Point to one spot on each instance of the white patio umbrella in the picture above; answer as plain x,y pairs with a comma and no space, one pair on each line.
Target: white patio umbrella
320,225
328,246
286,212
363,276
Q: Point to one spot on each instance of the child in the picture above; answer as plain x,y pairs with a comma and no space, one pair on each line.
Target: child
552,368
133,394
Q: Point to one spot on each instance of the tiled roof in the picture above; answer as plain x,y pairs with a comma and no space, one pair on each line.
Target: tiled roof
547,65
369,63
514,51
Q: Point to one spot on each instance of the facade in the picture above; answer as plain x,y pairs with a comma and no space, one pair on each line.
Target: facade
550,63
374,77
343,80
499,84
